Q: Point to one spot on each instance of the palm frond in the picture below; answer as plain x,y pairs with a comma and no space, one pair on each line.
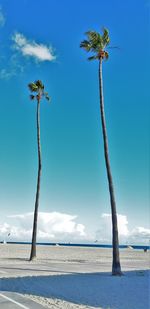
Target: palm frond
92,58
93,36
106,55
39,84
47,98
32,97
105,37
114,47
95,39
105,32
86,45
33,87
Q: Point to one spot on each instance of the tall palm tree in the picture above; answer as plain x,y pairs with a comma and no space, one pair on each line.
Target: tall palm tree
38,89
96,43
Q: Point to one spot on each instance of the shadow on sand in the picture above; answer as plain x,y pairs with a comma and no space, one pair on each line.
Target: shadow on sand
99,290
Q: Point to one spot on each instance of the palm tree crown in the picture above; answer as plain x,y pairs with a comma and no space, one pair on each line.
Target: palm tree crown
38,88
96,43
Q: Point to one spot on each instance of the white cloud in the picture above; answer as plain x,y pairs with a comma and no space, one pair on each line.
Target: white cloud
39,52
56,226
104,234
16,64
138,235
52,226
2,18
122,223
140,232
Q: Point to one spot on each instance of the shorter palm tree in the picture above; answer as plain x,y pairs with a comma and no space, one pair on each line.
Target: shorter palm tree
38,88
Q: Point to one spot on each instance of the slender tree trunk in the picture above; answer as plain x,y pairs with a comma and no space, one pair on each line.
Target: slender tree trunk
34,233
116,267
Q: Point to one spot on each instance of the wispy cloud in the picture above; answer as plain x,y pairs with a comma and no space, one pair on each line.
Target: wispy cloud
21,51
13,67
5,74
2,18
39,52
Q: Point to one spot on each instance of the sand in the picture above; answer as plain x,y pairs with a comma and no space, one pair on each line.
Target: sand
76,277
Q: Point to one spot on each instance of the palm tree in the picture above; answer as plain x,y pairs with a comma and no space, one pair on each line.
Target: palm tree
38,88
96,43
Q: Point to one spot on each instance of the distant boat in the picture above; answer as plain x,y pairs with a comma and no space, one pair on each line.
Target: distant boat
129,247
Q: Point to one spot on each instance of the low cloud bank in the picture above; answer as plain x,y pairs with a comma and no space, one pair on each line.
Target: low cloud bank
52,226
138,235
61,227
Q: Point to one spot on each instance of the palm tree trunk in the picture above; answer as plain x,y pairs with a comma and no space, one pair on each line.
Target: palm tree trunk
34,233
116,267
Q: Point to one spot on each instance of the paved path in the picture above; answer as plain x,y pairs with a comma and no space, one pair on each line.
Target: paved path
25,268
10,300
39,269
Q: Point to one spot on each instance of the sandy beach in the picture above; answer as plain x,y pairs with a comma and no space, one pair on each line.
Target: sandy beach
76,277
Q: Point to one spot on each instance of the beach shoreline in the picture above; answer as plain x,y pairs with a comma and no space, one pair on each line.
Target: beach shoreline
75,277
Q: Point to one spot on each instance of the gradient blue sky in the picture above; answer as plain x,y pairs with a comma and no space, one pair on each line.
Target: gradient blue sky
74,177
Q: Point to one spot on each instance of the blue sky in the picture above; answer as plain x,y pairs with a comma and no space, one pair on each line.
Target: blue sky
40,40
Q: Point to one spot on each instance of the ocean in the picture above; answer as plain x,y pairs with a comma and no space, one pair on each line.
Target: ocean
141,247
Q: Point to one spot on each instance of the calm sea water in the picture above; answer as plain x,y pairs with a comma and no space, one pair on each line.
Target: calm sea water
82,245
